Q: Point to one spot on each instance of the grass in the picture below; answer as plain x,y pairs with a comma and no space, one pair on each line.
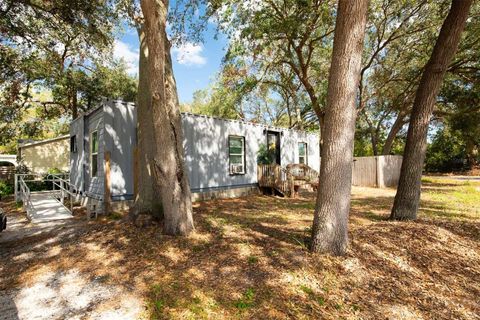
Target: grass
246,301
453,199
248,259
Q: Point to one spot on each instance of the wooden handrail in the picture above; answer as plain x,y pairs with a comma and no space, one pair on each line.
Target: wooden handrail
303,171
283,179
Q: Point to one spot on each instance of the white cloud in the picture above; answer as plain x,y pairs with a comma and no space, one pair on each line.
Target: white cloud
122,50
189,54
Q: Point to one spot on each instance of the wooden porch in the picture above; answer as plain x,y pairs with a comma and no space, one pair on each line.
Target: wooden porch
286,180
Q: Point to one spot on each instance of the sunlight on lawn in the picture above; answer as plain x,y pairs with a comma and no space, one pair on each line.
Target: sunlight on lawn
451,198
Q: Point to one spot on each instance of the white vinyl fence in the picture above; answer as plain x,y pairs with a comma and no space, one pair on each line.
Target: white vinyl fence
379,171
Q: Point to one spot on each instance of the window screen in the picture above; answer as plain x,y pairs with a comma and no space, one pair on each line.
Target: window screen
302,153
94,153
236,154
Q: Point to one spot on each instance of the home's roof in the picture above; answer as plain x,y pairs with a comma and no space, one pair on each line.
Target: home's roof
266,126
33,143
273,128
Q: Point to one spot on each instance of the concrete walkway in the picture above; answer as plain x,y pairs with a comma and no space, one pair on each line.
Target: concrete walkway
47,208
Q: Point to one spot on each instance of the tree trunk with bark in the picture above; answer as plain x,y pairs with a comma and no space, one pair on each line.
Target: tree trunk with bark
472,153
330,224
146,200
170,179
394,130
407,199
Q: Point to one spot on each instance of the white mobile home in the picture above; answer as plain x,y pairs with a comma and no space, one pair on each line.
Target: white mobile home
220,155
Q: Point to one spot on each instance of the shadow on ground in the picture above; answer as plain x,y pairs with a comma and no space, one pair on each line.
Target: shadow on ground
248,260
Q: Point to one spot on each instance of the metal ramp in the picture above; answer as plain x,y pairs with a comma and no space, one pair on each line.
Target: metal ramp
44,206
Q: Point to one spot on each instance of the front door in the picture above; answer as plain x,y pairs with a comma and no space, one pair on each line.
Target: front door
273,143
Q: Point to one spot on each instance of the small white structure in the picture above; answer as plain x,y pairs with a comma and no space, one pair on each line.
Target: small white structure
220,155
10,158
41,156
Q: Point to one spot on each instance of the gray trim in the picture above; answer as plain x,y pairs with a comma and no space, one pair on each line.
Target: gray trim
235,186
34,143
123,197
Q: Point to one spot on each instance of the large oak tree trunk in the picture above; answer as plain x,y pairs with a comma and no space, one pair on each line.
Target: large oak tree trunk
407,199
171,184
145,199
329,232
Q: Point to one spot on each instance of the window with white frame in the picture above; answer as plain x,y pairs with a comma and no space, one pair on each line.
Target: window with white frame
236,154
94,153
302,153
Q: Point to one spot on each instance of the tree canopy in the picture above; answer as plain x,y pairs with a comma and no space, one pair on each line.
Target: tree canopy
55,62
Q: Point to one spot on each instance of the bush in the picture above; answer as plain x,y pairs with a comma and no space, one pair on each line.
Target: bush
264,155
54,171
446,152
5,188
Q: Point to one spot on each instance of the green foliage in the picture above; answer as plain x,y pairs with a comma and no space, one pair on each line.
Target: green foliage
446,152
265,155
5,188
225,96
252,259
54,171
246,301
115,216
307,290
312,295
54,62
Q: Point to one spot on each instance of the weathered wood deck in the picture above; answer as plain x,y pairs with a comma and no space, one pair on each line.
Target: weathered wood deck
287,180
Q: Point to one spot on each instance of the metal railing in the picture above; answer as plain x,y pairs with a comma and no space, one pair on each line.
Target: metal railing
23,194
65,188
32,178
61,188
23,191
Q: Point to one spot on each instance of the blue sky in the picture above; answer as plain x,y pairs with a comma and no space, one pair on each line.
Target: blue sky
194,65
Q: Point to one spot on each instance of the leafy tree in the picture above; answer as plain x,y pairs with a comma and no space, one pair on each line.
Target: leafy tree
52,60
50,40
226,97
279,39
390,73
407,199
446,152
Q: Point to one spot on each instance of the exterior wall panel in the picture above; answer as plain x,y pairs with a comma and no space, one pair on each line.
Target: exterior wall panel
94,185
206,150
41,156
120,141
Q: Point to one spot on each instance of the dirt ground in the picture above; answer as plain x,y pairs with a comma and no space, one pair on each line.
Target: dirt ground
248,260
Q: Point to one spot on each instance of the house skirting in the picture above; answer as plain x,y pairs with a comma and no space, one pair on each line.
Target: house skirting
224,193
199,195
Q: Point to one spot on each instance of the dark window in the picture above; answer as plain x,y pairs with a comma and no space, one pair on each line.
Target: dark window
302,153
236,154
94,153
73,144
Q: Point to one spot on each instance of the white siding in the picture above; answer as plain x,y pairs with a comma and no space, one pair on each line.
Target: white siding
206,150
94,185
205,143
